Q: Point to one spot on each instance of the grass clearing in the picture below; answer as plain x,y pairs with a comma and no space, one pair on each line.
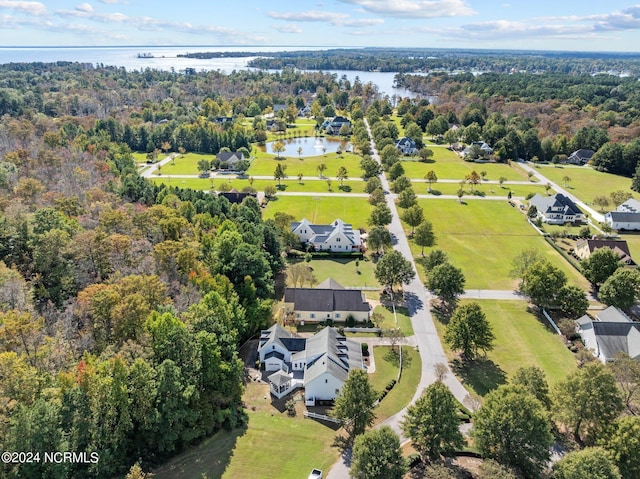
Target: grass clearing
448,165
186,164
481,190
404,320
343,270
521,340
265,164
586,183
386,370
482,237
322,209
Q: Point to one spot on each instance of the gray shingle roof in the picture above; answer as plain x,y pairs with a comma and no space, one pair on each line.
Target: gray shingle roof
618,337
612,315
546,204
279,378
320,299
335,354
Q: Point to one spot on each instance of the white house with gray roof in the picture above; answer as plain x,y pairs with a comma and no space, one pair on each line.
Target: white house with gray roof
328,300
610,333
557,209
337,236
625,217
319,364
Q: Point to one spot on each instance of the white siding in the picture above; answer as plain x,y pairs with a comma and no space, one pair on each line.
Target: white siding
323,387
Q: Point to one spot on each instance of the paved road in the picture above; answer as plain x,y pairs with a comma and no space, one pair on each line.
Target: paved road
149,172
426,336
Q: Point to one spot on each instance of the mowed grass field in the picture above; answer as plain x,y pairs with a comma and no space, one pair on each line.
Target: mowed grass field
448,165
586,183
255,451
344,271
521,340
265,164
482,189
482,237
186,164
291,185
322,209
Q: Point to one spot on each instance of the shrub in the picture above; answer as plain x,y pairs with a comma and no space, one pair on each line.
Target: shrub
389,386
350,321
365,349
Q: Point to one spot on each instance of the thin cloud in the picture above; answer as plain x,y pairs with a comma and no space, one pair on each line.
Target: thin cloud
337,19
415,8
292,28
114,2
33,8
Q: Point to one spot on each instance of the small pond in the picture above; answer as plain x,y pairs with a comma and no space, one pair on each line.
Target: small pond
303,147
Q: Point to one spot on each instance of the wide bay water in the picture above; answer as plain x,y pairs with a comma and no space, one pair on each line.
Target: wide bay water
166,59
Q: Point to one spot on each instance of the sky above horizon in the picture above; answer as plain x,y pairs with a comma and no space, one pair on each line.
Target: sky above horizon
583,25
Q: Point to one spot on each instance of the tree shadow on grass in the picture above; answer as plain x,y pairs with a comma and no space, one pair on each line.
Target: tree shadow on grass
442,311
345,188
434,192
282,187
482,374
212,456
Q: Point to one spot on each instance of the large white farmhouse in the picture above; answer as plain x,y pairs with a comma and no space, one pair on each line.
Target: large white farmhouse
338,236
319,364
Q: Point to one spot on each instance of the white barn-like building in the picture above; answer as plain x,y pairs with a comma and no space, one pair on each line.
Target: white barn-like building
337,236
319,364
625,217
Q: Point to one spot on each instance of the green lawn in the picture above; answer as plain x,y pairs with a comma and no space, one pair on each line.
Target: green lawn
186,164
482,189
322,209
139,157
292,185
265,164
586,183
404,320
386,370
482,237
343,270
282,447
521,340
448,165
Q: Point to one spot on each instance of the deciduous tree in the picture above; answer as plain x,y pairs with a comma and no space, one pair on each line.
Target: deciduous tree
587,402
379,238
621,289
623,444
513,428
447,282
424,235
353,406
469,331
592,462
432,423
601,264
377,455
541,283
380,216
393,269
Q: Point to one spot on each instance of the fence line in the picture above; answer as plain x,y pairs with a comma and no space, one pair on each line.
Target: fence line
546,315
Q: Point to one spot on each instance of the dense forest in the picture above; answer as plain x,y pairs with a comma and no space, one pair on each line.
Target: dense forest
123,304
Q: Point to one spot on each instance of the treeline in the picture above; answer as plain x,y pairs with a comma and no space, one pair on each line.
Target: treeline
450,60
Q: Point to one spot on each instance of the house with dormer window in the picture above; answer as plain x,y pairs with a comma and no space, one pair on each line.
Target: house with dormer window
319,364
338,236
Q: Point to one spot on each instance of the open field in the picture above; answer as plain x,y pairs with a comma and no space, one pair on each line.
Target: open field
265,164
482,189
482,237
343,270
256,449
292,185
521,340
586,183
322,209
448,165
139,157
186,164
386,370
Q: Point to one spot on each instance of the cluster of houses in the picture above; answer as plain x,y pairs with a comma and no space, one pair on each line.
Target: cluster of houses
319,364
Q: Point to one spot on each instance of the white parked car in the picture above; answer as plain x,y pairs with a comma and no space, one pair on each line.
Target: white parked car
315,474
